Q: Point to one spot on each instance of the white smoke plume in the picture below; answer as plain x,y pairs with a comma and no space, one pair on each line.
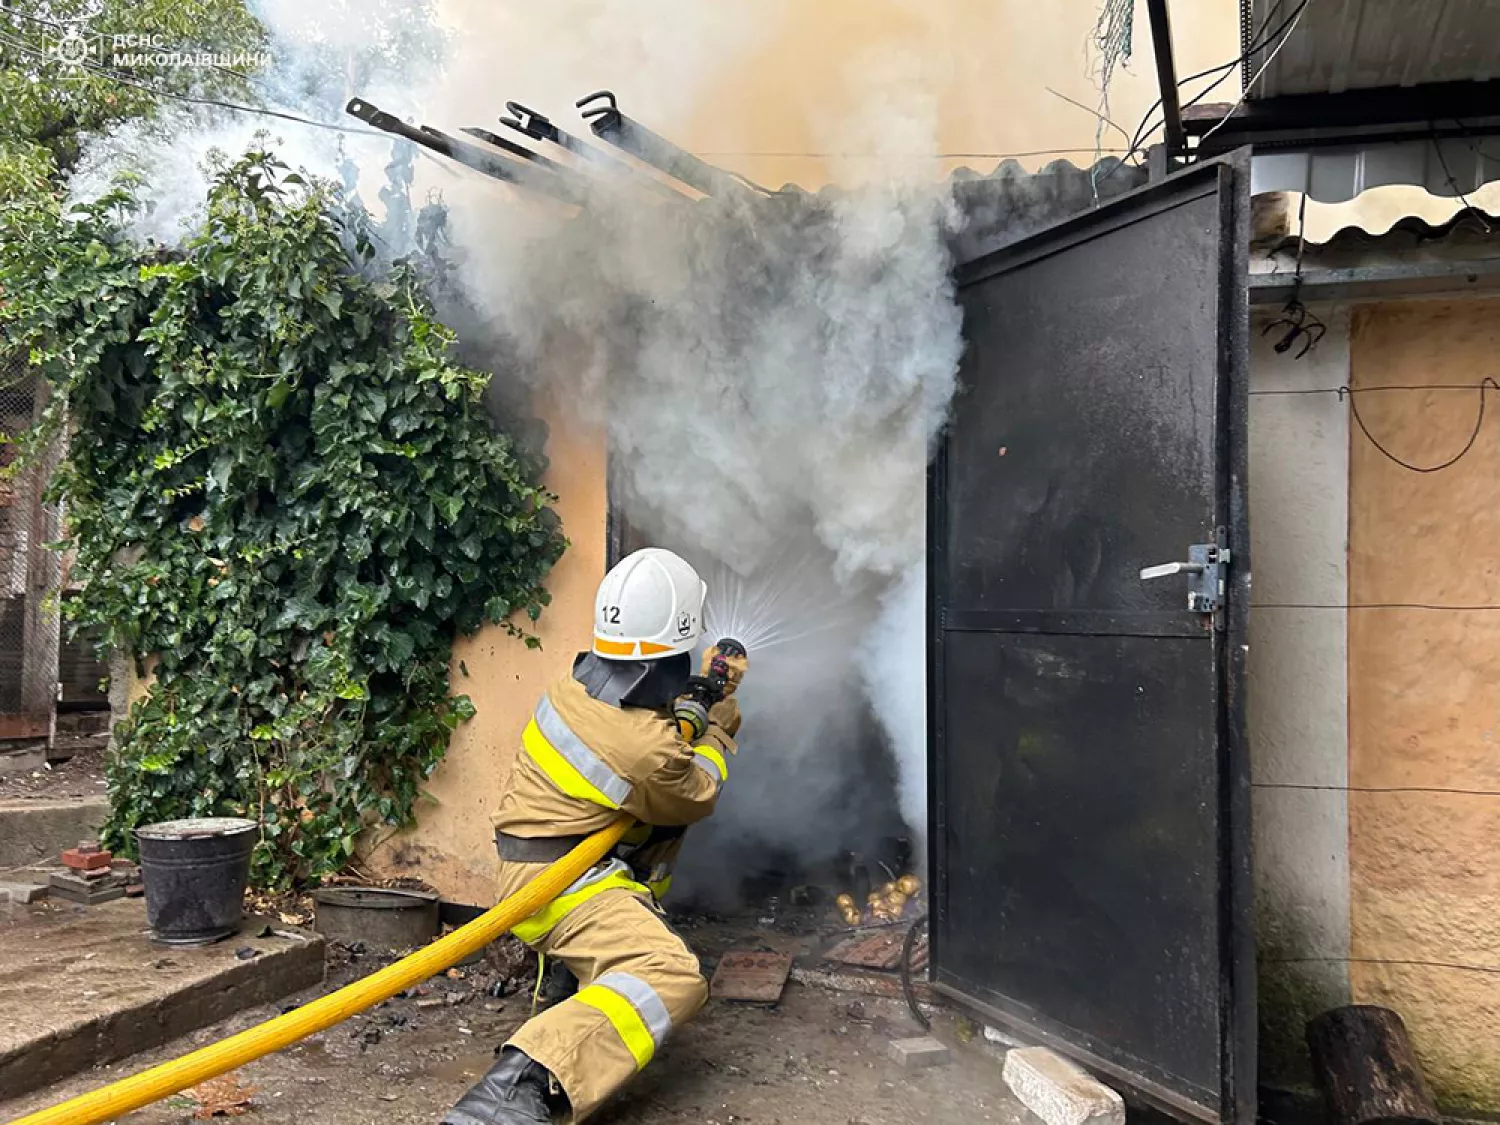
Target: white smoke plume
771,371
771,374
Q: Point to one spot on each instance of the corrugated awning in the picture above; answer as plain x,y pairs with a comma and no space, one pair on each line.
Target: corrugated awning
1454,167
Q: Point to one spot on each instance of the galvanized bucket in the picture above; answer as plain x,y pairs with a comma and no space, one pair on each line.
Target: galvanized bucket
195,873
381,918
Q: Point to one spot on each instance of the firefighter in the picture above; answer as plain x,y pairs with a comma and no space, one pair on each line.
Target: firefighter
601,741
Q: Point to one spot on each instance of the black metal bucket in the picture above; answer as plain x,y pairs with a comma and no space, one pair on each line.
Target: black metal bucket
195,873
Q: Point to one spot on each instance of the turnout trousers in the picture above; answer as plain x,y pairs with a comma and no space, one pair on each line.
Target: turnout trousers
637,982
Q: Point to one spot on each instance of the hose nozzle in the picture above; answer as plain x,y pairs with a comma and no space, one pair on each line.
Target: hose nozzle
702,692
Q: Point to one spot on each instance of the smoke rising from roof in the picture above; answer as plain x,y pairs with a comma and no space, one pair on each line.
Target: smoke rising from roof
771,371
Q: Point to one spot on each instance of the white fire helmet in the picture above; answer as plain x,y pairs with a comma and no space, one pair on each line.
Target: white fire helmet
649,606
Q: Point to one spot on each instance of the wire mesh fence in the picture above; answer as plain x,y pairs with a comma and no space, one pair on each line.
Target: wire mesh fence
30,572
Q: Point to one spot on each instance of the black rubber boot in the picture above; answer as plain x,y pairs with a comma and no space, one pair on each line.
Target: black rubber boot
559,983
516,1091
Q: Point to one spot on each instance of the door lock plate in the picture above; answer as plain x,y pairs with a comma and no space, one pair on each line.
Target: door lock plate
1206,570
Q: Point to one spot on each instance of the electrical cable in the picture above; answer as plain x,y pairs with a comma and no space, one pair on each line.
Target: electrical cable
1427,606
1379,961
1453,183
1259,44
1092,112
1346,390
1285,39
909,156
1485,385
1376,788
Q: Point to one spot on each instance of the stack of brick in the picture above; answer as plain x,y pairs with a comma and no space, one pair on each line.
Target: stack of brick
93,875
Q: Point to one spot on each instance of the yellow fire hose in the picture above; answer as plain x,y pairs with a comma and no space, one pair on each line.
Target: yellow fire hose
169,1078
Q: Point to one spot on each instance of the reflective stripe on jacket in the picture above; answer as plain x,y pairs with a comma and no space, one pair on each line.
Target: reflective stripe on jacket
584,762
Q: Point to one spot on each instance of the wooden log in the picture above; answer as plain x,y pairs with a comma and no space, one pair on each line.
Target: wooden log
1369,1074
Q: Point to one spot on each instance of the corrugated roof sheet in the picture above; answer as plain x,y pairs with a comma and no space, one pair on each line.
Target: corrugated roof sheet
1007,204
1010,203
1363,44
1453,167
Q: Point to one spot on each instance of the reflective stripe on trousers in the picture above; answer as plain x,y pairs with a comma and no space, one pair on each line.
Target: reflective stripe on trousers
606,877
634,1010
568,762
598,1039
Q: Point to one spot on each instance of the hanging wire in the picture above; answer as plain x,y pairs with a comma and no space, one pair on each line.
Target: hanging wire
1486,384
1250,85
1223,70
1111,40
1453,184
1296,318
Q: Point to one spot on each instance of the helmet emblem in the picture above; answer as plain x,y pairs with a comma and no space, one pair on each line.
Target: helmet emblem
684,623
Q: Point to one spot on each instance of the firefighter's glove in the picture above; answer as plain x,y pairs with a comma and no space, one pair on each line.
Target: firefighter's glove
731,668
725,715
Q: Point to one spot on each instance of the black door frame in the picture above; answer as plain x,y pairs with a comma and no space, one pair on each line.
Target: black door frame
1229,176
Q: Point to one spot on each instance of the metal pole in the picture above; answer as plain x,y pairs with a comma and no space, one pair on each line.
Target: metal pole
1166,77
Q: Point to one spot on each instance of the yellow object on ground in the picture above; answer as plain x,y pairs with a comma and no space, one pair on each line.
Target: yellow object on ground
120,1098
637,981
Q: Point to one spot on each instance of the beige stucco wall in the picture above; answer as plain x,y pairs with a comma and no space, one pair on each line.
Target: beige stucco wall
451,845
819,84
1424,691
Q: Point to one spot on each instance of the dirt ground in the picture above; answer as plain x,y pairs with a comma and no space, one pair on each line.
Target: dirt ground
82,775
818,1056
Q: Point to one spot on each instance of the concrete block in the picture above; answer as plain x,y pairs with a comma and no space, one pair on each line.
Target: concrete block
22,892
1060,1092
35,831
90,889
918,1054
27,760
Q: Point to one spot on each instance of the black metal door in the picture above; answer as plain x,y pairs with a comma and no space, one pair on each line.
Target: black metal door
1090,787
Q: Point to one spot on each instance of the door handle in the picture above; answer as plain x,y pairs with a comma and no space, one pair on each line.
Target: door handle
1207,565
1166,570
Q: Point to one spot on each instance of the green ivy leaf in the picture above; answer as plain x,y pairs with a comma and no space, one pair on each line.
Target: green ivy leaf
298,564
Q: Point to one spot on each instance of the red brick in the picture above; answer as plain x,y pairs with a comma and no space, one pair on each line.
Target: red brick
85,861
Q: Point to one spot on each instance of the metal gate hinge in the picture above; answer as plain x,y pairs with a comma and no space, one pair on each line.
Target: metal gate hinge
1206,568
